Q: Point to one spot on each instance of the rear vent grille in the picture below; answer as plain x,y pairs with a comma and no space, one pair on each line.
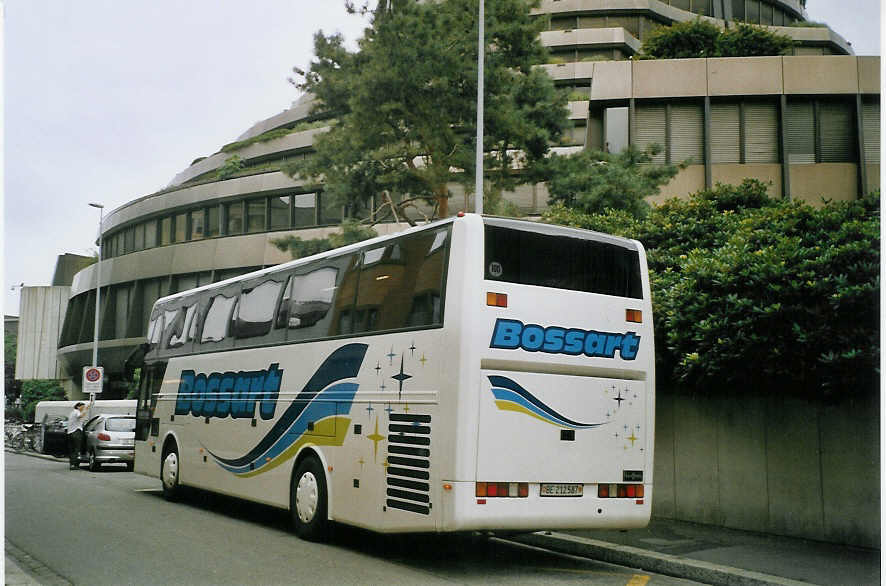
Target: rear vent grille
409,463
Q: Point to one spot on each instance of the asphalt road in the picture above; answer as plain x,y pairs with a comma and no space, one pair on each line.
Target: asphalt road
113,527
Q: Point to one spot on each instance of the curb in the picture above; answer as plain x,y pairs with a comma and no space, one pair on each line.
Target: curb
30,570
34,455
651,561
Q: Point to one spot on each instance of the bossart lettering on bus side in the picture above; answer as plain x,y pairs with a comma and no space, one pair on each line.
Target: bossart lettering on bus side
219,394
511,334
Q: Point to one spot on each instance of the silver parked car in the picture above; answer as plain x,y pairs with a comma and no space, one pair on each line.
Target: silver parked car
110,439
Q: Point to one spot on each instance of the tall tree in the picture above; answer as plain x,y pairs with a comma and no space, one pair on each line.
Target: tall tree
594,181
405,103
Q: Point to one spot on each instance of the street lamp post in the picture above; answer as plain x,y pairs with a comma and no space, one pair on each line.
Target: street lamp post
481,50
98,290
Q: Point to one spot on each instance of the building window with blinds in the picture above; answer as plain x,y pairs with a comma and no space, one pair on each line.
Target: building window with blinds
820,131
744,132
870,114
678,128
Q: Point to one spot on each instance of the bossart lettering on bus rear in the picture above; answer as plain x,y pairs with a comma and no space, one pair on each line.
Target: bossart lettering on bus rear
511,334
219,394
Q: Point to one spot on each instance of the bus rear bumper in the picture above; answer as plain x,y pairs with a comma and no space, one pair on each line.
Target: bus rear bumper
464,511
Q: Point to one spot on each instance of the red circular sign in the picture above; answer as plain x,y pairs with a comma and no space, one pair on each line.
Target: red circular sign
93,374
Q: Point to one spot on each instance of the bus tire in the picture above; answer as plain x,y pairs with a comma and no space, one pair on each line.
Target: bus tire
308,500
169,473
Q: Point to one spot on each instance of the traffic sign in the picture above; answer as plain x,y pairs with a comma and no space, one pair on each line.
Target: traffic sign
93,378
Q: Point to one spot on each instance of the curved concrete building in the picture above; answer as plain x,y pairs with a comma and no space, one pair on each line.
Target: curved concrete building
807,123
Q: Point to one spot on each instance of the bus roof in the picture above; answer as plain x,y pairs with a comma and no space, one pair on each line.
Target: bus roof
505,222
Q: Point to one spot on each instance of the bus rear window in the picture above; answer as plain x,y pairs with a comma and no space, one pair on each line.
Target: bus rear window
562,262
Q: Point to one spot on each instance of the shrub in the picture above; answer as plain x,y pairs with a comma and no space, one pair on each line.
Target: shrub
682,40
34,391
753,294
230,168
747,40
700,38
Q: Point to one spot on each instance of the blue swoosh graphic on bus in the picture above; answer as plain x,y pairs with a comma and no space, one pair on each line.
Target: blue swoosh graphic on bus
510,396
316,402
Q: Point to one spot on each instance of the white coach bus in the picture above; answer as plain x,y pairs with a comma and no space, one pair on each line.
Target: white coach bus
475,373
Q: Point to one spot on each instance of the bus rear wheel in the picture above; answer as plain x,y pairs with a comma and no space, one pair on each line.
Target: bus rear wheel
169,474
308,500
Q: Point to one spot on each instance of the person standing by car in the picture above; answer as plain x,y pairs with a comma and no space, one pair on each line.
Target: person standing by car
75,434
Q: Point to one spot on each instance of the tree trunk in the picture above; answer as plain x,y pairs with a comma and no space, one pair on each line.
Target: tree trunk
442,202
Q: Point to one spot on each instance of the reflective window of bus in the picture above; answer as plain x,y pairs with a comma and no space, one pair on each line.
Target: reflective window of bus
311,298
155,329
401,284
218,316
562,262
173,320
255,314
184,334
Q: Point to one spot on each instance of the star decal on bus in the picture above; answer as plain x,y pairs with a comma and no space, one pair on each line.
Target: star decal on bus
401,378
375,437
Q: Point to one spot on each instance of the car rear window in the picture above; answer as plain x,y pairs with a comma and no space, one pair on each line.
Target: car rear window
120,424
562,262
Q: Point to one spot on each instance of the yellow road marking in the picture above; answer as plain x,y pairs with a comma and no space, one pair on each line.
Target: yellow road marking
638,580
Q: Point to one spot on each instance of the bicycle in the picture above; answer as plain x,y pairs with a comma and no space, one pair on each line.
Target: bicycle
25,438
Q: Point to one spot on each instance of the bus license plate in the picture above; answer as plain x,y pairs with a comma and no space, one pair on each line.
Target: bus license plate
561,489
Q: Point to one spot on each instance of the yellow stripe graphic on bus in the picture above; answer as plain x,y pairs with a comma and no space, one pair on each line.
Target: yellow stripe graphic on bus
330,431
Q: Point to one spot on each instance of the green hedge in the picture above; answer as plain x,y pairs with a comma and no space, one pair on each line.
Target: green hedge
753,294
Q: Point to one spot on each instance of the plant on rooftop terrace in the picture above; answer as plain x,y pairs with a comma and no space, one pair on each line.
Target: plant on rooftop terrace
232,166
699,38
406,104
753,294
808,24
748,40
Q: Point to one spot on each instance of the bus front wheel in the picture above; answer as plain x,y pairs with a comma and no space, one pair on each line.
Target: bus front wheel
308,500
169,474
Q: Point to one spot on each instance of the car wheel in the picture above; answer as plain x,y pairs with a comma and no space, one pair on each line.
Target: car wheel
308,500
169,474
130,466
94,464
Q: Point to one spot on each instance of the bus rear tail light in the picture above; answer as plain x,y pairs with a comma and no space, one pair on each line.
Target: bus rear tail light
502,489
104,437
497,299
621,491
634,316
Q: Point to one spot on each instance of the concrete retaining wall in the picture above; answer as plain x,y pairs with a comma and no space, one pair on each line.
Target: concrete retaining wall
770,464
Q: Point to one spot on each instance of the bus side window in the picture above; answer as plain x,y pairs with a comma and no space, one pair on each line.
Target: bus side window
311,298
174,323
343,307
256,309
283,309
215,325
402,287
182,332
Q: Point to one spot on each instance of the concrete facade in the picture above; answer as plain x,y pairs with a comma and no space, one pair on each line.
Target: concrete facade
770,464
42,313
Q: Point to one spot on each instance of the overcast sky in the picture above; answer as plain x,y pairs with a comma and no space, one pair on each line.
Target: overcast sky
105,101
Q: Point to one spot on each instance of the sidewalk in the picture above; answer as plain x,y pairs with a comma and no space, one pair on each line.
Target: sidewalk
716,555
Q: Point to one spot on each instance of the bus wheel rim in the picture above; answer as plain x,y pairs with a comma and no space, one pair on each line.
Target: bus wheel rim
170,470
306,497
